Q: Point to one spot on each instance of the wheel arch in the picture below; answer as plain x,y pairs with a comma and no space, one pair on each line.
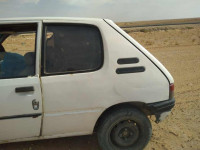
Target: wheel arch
138,105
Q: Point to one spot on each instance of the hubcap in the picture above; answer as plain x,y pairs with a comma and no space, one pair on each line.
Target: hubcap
125,133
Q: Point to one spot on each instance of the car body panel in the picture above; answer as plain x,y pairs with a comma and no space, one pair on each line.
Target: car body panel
72,103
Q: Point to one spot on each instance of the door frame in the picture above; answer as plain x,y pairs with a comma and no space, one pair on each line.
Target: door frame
38,39
38,43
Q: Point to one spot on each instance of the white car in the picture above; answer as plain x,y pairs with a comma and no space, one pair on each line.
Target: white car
63,77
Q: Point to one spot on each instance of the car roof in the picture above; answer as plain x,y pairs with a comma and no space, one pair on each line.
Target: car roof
49,18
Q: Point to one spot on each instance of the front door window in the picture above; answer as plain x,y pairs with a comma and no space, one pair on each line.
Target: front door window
17,50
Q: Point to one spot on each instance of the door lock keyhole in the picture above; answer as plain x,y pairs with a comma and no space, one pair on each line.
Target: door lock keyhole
35,104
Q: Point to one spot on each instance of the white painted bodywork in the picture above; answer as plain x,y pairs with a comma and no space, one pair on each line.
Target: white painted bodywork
72,103
13,104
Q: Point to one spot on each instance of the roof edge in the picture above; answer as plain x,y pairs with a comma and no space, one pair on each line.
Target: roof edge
47,18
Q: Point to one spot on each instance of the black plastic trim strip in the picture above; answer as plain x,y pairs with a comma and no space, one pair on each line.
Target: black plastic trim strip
138,49
130,70
21,116
133,60
159,107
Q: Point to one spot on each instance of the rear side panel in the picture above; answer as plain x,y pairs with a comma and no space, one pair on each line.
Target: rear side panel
141,81
142,50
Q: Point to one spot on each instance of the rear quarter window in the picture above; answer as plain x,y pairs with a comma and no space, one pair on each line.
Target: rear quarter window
71,49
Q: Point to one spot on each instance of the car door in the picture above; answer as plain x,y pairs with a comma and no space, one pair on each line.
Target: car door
20,90
72,59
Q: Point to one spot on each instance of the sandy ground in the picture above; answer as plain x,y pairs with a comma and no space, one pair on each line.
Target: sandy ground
158,22
178,48
21,43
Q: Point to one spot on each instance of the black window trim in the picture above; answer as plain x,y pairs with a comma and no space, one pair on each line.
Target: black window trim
35,50
67,72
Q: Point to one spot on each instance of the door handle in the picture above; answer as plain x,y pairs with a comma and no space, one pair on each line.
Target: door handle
24,89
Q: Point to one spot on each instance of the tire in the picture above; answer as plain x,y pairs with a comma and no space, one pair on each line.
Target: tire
124,129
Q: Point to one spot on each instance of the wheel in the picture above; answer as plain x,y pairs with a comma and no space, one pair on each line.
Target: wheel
124,129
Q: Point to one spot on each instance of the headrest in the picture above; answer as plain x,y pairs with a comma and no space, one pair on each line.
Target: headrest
2,48
30,58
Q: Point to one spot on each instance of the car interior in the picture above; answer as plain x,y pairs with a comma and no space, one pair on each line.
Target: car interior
13,31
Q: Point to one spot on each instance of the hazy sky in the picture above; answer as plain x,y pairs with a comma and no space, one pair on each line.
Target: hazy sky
117,10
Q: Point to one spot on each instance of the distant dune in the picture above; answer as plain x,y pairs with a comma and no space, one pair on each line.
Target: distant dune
158,22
